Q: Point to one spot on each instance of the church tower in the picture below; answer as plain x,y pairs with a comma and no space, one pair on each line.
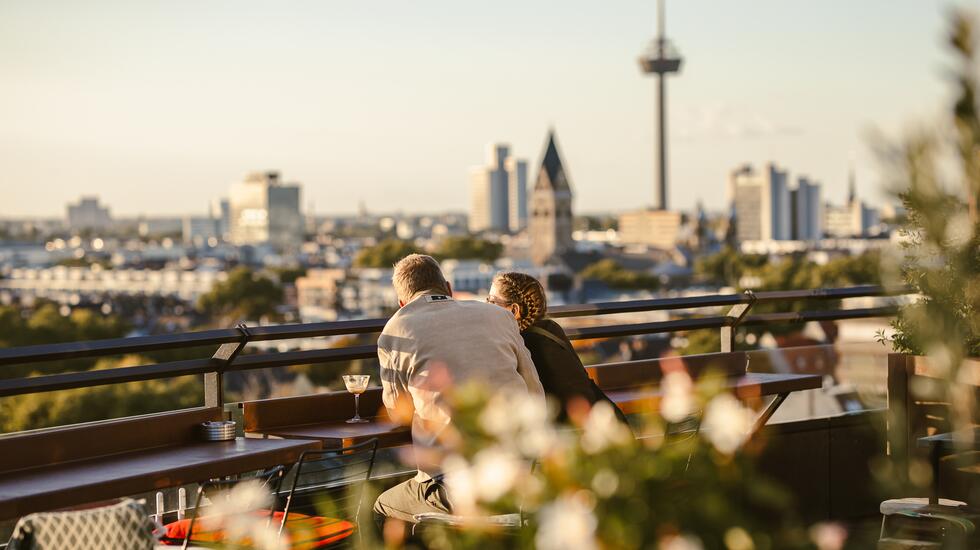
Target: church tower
551,208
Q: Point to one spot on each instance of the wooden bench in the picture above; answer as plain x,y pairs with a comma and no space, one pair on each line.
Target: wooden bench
72,465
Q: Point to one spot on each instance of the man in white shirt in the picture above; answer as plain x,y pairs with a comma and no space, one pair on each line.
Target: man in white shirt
432,344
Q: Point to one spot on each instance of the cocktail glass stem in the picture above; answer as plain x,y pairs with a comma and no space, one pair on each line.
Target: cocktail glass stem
357,407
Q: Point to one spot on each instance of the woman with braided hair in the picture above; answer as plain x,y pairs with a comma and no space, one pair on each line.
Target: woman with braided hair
559,367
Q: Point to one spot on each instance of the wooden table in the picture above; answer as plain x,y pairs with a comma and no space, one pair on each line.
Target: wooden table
78,482
337,433
753,384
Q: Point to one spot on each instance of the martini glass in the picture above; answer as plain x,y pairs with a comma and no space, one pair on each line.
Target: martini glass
357,384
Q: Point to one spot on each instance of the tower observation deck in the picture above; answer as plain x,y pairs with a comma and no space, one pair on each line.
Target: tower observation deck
661,59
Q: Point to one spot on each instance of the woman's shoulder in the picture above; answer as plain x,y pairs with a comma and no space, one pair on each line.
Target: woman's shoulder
537,330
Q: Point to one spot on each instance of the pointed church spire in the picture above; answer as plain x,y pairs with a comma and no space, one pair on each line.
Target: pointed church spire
552,174
851,185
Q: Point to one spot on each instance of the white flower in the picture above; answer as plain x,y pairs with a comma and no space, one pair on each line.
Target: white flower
494,473
566,524
828,536
727,423
602,429
605,482
678,401
234,511
680,542
737,538
460,485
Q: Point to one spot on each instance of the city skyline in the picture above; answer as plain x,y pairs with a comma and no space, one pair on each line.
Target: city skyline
112,98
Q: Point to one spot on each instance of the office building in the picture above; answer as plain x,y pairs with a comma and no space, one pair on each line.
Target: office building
550,224
656,228
762,203
88,214
262,210
498,192
806,221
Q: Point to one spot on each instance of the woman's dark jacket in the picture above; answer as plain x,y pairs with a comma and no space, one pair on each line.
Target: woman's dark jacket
560,369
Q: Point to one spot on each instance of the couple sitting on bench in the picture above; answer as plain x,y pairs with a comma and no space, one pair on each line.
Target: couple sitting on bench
434,341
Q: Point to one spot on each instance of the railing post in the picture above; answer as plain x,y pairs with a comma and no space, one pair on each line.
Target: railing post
226,353
736,314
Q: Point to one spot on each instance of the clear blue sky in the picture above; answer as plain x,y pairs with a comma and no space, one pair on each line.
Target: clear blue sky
158,106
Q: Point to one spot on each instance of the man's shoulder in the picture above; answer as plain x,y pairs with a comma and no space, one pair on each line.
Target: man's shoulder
484,310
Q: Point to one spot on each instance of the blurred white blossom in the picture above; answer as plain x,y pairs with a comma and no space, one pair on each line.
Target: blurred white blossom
678,400
828,536
605,482
460,485
566,524
495,471
603,429
681,542
233,511
727,423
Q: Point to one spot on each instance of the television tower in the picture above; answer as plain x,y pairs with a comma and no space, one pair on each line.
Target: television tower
660,58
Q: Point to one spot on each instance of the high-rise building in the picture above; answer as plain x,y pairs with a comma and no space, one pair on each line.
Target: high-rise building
807,216
762,203
656,228
88,214
550,224
854,219
264,210
517,193
221,214
498,192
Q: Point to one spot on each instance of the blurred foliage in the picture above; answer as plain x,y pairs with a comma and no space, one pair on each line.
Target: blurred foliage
41,410
288,275
727,266
599,487
616,276
244,296
468,248
941,234
46,325
384,254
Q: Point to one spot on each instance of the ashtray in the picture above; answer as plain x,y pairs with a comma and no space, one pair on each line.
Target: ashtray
218,430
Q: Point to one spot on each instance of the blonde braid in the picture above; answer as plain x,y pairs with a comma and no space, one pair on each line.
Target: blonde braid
525,291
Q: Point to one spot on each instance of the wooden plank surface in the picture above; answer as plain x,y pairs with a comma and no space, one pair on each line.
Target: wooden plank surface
85,441
340,434
69,484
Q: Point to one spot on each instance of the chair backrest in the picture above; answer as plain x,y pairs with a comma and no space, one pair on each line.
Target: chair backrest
330,482
270,480
120,525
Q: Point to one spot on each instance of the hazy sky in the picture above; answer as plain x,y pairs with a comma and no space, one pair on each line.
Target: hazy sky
158,106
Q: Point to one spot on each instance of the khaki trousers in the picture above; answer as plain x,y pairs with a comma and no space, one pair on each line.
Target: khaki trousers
412,497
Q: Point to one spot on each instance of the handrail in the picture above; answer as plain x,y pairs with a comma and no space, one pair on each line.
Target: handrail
55,382
121,346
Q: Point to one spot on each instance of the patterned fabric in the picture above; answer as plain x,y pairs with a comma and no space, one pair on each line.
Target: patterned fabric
124,525
304,532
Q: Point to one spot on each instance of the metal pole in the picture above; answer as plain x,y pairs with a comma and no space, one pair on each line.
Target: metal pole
662,134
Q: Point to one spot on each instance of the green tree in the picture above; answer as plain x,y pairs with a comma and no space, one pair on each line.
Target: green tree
727,266
468,248
616,276
245,295
384,254
41,410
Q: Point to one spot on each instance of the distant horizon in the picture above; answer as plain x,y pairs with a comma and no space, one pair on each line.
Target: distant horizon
159,108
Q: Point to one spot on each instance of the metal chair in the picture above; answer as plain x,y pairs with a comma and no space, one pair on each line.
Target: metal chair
683,430
271,479
329,484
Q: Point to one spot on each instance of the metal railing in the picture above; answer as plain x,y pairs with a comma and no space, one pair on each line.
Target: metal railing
232,341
